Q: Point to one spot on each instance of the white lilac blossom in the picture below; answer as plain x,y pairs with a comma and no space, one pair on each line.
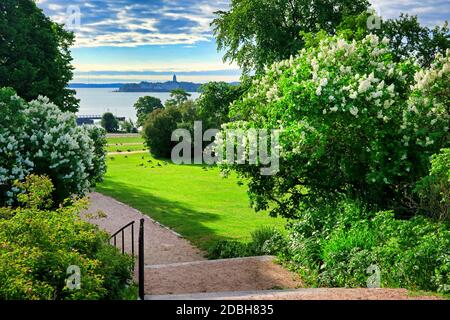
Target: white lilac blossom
48,142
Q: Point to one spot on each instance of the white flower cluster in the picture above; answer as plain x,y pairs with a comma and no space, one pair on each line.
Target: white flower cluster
358,85
429,104
46,141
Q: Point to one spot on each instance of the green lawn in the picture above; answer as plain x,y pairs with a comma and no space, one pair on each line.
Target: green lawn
197,203
125,147
119,139
124,144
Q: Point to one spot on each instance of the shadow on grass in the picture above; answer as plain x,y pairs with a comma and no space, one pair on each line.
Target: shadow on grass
185,220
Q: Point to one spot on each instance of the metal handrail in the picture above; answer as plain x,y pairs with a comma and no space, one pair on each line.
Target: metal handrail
123,238
141,265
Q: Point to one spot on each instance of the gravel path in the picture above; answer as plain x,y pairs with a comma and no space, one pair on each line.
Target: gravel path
238,274
162,246
164,249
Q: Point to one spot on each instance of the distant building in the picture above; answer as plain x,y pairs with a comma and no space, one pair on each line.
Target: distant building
175,78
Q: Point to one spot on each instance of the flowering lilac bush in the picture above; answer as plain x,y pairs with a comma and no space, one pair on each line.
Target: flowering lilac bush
37,137
353,122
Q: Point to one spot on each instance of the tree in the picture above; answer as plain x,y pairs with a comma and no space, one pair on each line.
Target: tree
128,126
177,97
408,39
214,102
360,126
255,33
144,106
109,122
158,130
39,138
34,54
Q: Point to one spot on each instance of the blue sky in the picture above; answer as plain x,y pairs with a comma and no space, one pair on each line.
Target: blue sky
134,40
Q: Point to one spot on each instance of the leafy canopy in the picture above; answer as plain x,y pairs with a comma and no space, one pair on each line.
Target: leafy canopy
408,39
177,97
256,33
214,102
34,54
144,106
109,122
353,123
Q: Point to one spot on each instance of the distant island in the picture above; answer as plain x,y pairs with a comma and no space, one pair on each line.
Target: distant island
145,86
160,86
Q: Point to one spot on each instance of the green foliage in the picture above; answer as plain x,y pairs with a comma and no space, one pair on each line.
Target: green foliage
38,246
36,192
128,126
214,102
109,122
37,137
336,247
264,241
409,40
144,106
256,33
35,54
346,110
434,189
226,249
158,130
177,97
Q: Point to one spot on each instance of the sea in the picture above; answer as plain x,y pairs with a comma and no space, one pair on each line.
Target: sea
97,101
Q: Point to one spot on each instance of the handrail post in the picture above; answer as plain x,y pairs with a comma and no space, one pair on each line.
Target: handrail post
141,260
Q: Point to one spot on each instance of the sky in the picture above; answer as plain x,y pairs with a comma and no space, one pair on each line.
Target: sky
149,40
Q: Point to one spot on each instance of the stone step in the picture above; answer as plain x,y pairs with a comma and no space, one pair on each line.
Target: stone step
225,275
301,294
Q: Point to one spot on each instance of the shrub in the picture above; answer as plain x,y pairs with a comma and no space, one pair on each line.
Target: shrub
228,249
346,110
434,189
335,248
109,122
158,130
37,246
37,137
264,241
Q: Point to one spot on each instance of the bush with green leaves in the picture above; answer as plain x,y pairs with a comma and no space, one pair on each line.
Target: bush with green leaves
353,123
334,247
158,130
37,137
37,246
109,122
434,189
264,241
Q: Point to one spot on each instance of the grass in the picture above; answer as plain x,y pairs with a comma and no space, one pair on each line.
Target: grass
124,144
193,200
122,140
125,147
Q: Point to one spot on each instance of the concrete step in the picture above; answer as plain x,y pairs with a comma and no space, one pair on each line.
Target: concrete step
225,275
302,294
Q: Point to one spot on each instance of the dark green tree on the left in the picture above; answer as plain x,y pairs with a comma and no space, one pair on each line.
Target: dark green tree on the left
34,54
